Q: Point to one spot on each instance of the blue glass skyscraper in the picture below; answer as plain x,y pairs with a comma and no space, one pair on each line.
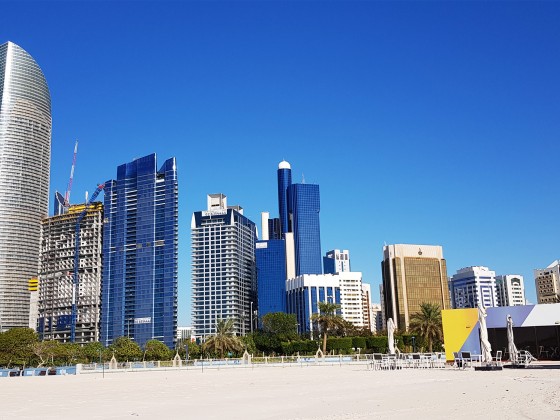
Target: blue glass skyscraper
140,243
303,208
284,181
271,266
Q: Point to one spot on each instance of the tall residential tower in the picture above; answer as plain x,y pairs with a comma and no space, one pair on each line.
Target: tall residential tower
140,244
25,155
224,277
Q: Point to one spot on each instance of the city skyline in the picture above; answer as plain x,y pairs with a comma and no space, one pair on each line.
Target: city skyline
425,123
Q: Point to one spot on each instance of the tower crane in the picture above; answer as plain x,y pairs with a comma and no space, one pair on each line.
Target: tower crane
69,187
75,280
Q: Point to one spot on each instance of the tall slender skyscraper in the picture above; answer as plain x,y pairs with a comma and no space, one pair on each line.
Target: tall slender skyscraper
140,243
284,181
304,206
25,154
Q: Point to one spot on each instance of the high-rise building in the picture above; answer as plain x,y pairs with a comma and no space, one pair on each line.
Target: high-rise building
140,244
224,278
547,283
284,181
303,208
271,273
336,261
412,275
25,150
376,318
510,290
303,293
472,286
58,241
366,305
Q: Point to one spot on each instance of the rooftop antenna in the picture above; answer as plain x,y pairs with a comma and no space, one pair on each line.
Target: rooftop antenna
302,178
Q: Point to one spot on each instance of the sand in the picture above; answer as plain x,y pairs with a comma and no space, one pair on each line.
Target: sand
313,392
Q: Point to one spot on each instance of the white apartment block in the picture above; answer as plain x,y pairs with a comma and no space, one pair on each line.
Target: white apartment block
376,312
510,289
366,305
224,278
473,285
547,283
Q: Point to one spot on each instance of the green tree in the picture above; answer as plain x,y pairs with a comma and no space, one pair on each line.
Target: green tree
224,340
94,351
156,350
427,323
280,324
46,351
328,320
70,354
16,347
249,343
125,349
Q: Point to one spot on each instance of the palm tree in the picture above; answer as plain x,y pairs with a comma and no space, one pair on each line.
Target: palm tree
328,320
224,340
427,323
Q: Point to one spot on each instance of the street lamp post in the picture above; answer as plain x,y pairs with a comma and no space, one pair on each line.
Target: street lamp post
101,362
251,317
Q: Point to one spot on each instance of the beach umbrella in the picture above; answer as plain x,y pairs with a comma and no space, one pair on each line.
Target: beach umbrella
512,350
485,346
391,335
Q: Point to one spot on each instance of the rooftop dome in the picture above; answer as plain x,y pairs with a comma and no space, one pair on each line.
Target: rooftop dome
284,165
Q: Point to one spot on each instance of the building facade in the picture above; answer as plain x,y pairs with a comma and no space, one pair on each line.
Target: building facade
303,293
336,261
510,290
25,144
58,246
376,318
412,275
366,305
304,206
271,273
140,246
472,286
284,175
547,283
224,277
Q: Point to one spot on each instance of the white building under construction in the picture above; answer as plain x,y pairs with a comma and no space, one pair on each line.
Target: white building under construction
56,272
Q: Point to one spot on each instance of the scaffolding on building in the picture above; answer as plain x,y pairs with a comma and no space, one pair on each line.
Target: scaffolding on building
56,275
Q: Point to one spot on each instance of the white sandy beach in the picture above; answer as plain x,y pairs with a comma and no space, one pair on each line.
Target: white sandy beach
316,392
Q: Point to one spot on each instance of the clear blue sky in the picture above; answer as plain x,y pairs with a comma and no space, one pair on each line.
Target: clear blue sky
423,122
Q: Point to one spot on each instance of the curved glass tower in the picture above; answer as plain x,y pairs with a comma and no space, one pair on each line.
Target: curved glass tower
284,181
25,154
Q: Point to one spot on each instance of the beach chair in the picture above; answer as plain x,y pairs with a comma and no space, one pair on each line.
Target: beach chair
438,360
498,358
377,361
466,358
457,361
524,358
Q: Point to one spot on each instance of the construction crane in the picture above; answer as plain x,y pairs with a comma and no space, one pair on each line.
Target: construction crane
75,281
69,187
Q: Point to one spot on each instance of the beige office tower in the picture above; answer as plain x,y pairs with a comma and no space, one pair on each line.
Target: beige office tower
25,155
547,283
412,275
